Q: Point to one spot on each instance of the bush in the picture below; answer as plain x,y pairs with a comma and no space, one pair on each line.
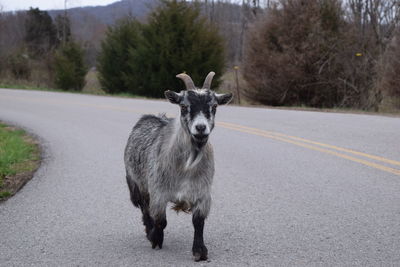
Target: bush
176,39
311,53
70,70
19,65
113,58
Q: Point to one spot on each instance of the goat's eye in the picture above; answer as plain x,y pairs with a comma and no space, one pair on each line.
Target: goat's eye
214,107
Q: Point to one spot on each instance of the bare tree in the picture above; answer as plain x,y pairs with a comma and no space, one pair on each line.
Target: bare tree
375,19
372,24
65,24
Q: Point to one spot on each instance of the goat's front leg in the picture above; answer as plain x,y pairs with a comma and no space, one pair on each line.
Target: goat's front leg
200,212
158,214
199,250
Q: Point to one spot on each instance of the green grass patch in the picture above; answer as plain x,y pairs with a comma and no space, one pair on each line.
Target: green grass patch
18,154
4,194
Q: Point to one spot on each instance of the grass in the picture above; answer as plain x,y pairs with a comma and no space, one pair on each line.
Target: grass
18,154
92,87
84,92
30,87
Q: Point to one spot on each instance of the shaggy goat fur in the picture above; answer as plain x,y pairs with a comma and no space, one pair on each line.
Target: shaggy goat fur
171,160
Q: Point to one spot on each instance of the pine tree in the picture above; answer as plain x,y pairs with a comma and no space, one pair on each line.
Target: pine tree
70,69
113,58
143,59
40,32
176,39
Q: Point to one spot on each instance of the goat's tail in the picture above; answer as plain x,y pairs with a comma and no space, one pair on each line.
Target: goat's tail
182,206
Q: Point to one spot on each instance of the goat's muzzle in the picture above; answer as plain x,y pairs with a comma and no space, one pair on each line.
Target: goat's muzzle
200,139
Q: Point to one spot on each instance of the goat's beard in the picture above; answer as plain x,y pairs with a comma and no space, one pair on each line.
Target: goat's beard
194,158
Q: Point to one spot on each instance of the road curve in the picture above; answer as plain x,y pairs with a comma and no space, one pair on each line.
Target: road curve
292,188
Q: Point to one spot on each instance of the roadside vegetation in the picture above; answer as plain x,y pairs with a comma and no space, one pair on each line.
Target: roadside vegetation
37,51
325,54
19,158
331,54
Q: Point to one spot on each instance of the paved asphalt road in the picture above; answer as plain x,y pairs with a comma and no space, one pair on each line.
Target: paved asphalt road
292,188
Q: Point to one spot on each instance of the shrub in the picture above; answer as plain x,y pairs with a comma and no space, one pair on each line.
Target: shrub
312,53
19,65
292,55
70,70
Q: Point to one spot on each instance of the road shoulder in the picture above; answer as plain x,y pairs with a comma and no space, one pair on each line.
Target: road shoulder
20,157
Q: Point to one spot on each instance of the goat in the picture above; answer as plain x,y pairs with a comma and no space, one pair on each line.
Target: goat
171,160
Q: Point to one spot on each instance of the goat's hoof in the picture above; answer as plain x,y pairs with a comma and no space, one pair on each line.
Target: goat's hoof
200,253
156,238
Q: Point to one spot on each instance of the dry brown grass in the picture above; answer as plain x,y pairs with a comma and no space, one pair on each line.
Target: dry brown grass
229,84
92,84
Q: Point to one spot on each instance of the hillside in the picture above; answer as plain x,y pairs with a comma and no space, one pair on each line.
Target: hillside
110,13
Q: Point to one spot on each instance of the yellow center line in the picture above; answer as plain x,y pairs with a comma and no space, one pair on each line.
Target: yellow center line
361,161
313,145
393,162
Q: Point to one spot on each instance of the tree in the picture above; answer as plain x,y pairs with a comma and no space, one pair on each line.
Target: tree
63,28
40,33
372,25
114,55
176,39
70,70
390,71
143,59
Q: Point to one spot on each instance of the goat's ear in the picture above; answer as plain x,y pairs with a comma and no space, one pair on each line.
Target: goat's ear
173,97
223,99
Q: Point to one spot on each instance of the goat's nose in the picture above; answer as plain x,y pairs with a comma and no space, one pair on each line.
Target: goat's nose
200,128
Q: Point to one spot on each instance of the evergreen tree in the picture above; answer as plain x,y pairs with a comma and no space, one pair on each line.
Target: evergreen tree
40,32
70,69
143,59
176,39
113,58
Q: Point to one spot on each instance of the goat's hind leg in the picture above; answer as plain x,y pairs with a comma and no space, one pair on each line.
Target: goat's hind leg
156,235
141,201
134,192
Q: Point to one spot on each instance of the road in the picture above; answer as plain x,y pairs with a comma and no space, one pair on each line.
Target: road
292,188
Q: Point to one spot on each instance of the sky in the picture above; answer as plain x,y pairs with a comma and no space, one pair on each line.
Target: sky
12,5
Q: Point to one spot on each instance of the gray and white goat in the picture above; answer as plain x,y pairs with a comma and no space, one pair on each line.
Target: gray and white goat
171,160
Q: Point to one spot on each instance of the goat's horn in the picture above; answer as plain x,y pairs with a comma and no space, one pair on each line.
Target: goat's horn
187,80
208,80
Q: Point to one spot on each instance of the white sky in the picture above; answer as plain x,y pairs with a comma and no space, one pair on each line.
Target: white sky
12,5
